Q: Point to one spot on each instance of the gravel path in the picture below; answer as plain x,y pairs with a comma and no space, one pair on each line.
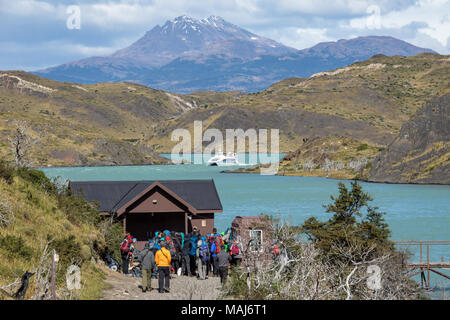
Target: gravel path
181,288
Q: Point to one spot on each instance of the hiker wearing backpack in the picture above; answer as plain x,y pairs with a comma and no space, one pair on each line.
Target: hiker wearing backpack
125,248
162,260
215,249
223,261
213,255
235,254
147,260
171,247
193,253
176,257
208,263
185,257
202,258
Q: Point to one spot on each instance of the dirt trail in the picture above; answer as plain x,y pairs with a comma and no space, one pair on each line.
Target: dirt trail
181,288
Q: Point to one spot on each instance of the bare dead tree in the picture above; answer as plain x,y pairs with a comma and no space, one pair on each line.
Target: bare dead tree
42,281
6,213
302,272
21,143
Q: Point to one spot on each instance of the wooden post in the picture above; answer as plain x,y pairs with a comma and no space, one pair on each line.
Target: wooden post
428,265
53,279
421,252
422,278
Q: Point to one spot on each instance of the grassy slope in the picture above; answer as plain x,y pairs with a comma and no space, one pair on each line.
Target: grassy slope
36,219
382,91
368,101
73,122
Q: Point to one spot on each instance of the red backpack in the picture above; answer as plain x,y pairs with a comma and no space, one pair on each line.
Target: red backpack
125,246
234,250
219,243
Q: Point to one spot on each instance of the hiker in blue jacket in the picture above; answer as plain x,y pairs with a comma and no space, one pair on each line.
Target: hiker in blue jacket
186,258
203,257
192,253
154,248
213,258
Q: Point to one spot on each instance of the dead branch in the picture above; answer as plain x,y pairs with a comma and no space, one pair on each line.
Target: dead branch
21,144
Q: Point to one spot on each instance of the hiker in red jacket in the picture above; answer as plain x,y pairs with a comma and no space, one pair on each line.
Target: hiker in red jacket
235,254
125,249
275,250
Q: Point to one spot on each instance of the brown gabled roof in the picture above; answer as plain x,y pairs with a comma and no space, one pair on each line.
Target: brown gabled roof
116,196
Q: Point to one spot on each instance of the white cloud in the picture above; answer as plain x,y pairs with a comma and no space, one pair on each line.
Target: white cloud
324,7
26,7
434,14
107,25
299,38
88,51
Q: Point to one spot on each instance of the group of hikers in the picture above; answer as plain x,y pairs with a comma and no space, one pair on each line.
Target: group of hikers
174,252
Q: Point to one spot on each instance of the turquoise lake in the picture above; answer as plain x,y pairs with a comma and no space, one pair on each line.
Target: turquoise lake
413,212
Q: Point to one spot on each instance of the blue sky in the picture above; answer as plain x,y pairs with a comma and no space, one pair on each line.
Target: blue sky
34,34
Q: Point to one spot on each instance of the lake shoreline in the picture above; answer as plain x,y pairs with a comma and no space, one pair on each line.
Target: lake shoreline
237,171
340,178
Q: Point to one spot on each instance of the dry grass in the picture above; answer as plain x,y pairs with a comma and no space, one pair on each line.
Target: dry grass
37,219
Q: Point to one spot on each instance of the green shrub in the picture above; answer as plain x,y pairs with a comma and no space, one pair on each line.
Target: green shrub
235,286
67,225
85,252
6,172
353,221
69,252
113,238
68,249
15,247
362,147
38,179
78,210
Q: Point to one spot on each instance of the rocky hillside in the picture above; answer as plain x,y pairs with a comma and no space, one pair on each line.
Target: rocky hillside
419,154
367,101
421,151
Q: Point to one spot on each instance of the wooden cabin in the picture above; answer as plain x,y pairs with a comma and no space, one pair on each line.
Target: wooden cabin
148,206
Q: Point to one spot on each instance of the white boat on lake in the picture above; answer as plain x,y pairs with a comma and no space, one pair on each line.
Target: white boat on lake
222,159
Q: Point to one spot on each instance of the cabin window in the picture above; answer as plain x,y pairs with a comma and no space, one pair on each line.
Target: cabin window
256,240
203,222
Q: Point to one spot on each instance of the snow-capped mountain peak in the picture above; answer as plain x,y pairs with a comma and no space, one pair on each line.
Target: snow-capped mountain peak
185,36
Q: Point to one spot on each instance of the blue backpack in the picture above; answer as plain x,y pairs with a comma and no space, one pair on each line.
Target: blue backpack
194,246
203,252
